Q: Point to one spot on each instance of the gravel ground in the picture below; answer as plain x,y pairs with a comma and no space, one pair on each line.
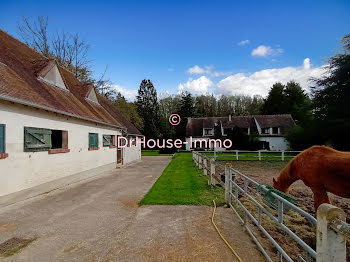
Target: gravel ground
263,172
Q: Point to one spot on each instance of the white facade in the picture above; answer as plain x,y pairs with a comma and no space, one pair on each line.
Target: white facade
276,143
23,170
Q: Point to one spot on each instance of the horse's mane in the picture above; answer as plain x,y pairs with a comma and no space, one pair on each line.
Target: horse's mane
286,174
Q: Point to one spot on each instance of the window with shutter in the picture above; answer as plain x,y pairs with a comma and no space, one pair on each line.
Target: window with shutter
93,140
107,140
2,139
37,139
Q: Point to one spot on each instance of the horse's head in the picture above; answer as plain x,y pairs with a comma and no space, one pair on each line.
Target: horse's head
279,186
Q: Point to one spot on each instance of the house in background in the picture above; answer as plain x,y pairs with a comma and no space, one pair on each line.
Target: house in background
271,129
53,129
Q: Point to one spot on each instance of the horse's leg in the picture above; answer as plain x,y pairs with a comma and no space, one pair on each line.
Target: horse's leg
320,196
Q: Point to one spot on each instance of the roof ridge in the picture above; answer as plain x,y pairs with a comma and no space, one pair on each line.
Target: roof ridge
21,85
274,115
36,51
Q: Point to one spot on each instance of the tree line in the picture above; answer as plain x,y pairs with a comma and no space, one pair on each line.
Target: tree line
322,117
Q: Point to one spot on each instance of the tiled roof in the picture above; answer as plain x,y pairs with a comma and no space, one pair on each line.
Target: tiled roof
20,67
195,126
285,122
238,121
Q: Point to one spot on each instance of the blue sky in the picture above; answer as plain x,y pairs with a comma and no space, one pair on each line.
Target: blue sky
194,45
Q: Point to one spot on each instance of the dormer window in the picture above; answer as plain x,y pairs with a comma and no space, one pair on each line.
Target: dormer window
208,131
275,130
92,96
265,130
51,75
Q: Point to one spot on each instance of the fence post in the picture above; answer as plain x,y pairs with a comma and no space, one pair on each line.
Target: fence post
330,246
259,155
228,185
282,154
212,171
214,154
236,154
200,162
205,167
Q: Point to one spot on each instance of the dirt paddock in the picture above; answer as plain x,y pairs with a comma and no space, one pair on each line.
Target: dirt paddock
264,171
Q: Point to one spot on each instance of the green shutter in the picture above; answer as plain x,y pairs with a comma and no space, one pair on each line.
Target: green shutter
107,140
93,140
36,139
2,139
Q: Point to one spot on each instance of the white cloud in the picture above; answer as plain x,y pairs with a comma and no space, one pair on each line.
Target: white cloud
200,85
265,51
207,70
306,63
243,42
260,82
129,94
198,70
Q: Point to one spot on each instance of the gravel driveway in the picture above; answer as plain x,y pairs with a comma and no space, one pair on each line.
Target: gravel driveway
99,220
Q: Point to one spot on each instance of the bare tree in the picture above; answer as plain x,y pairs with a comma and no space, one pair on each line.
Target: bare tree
35,35
104,86
69,50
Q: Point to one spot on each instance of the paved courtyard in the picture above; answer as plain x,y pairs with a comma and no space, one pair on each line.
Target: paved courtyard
99,220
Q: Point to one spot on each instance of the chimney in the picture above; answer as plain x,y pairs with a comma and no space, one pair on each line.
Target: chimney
188,120
229,118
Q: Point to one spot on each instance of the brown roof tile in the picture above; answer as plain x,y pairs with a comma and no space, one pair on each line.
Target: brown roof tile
195,127
238,121
20,67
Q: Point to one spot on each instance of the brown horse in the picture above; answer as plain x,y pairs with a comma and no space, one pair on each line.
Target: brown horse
321,168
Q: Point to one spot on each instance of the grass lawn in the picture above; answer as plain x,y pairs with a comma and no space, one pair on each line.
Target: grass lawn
182,183
153,153
270,156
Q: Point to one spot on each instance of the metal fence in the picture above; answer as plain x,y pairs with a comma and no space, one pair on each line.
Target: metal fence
245,197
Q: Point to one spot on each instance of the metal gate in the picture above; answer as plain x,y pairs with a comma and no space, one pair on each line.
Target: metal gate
241,186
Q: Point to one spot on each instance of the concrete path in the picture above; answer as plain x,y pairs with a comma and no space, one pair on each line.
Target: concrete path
99,220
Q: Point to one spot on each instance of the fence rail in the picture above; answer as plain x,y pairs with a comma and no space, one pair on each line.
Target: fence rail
332,231
244,154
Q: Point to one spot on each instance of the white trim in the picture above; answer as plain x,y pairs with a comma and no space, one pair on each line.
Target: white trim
40,78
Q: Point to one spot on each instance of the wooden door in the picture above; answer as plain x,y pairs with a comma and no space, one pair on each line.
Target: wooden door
120,156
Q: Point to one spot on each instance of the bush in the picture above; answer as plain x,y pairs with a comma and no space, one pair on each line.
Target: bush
167,150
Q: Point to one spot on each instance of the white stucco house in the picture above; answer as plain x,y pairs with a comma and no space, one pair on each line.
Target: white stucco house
53,129
271,129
